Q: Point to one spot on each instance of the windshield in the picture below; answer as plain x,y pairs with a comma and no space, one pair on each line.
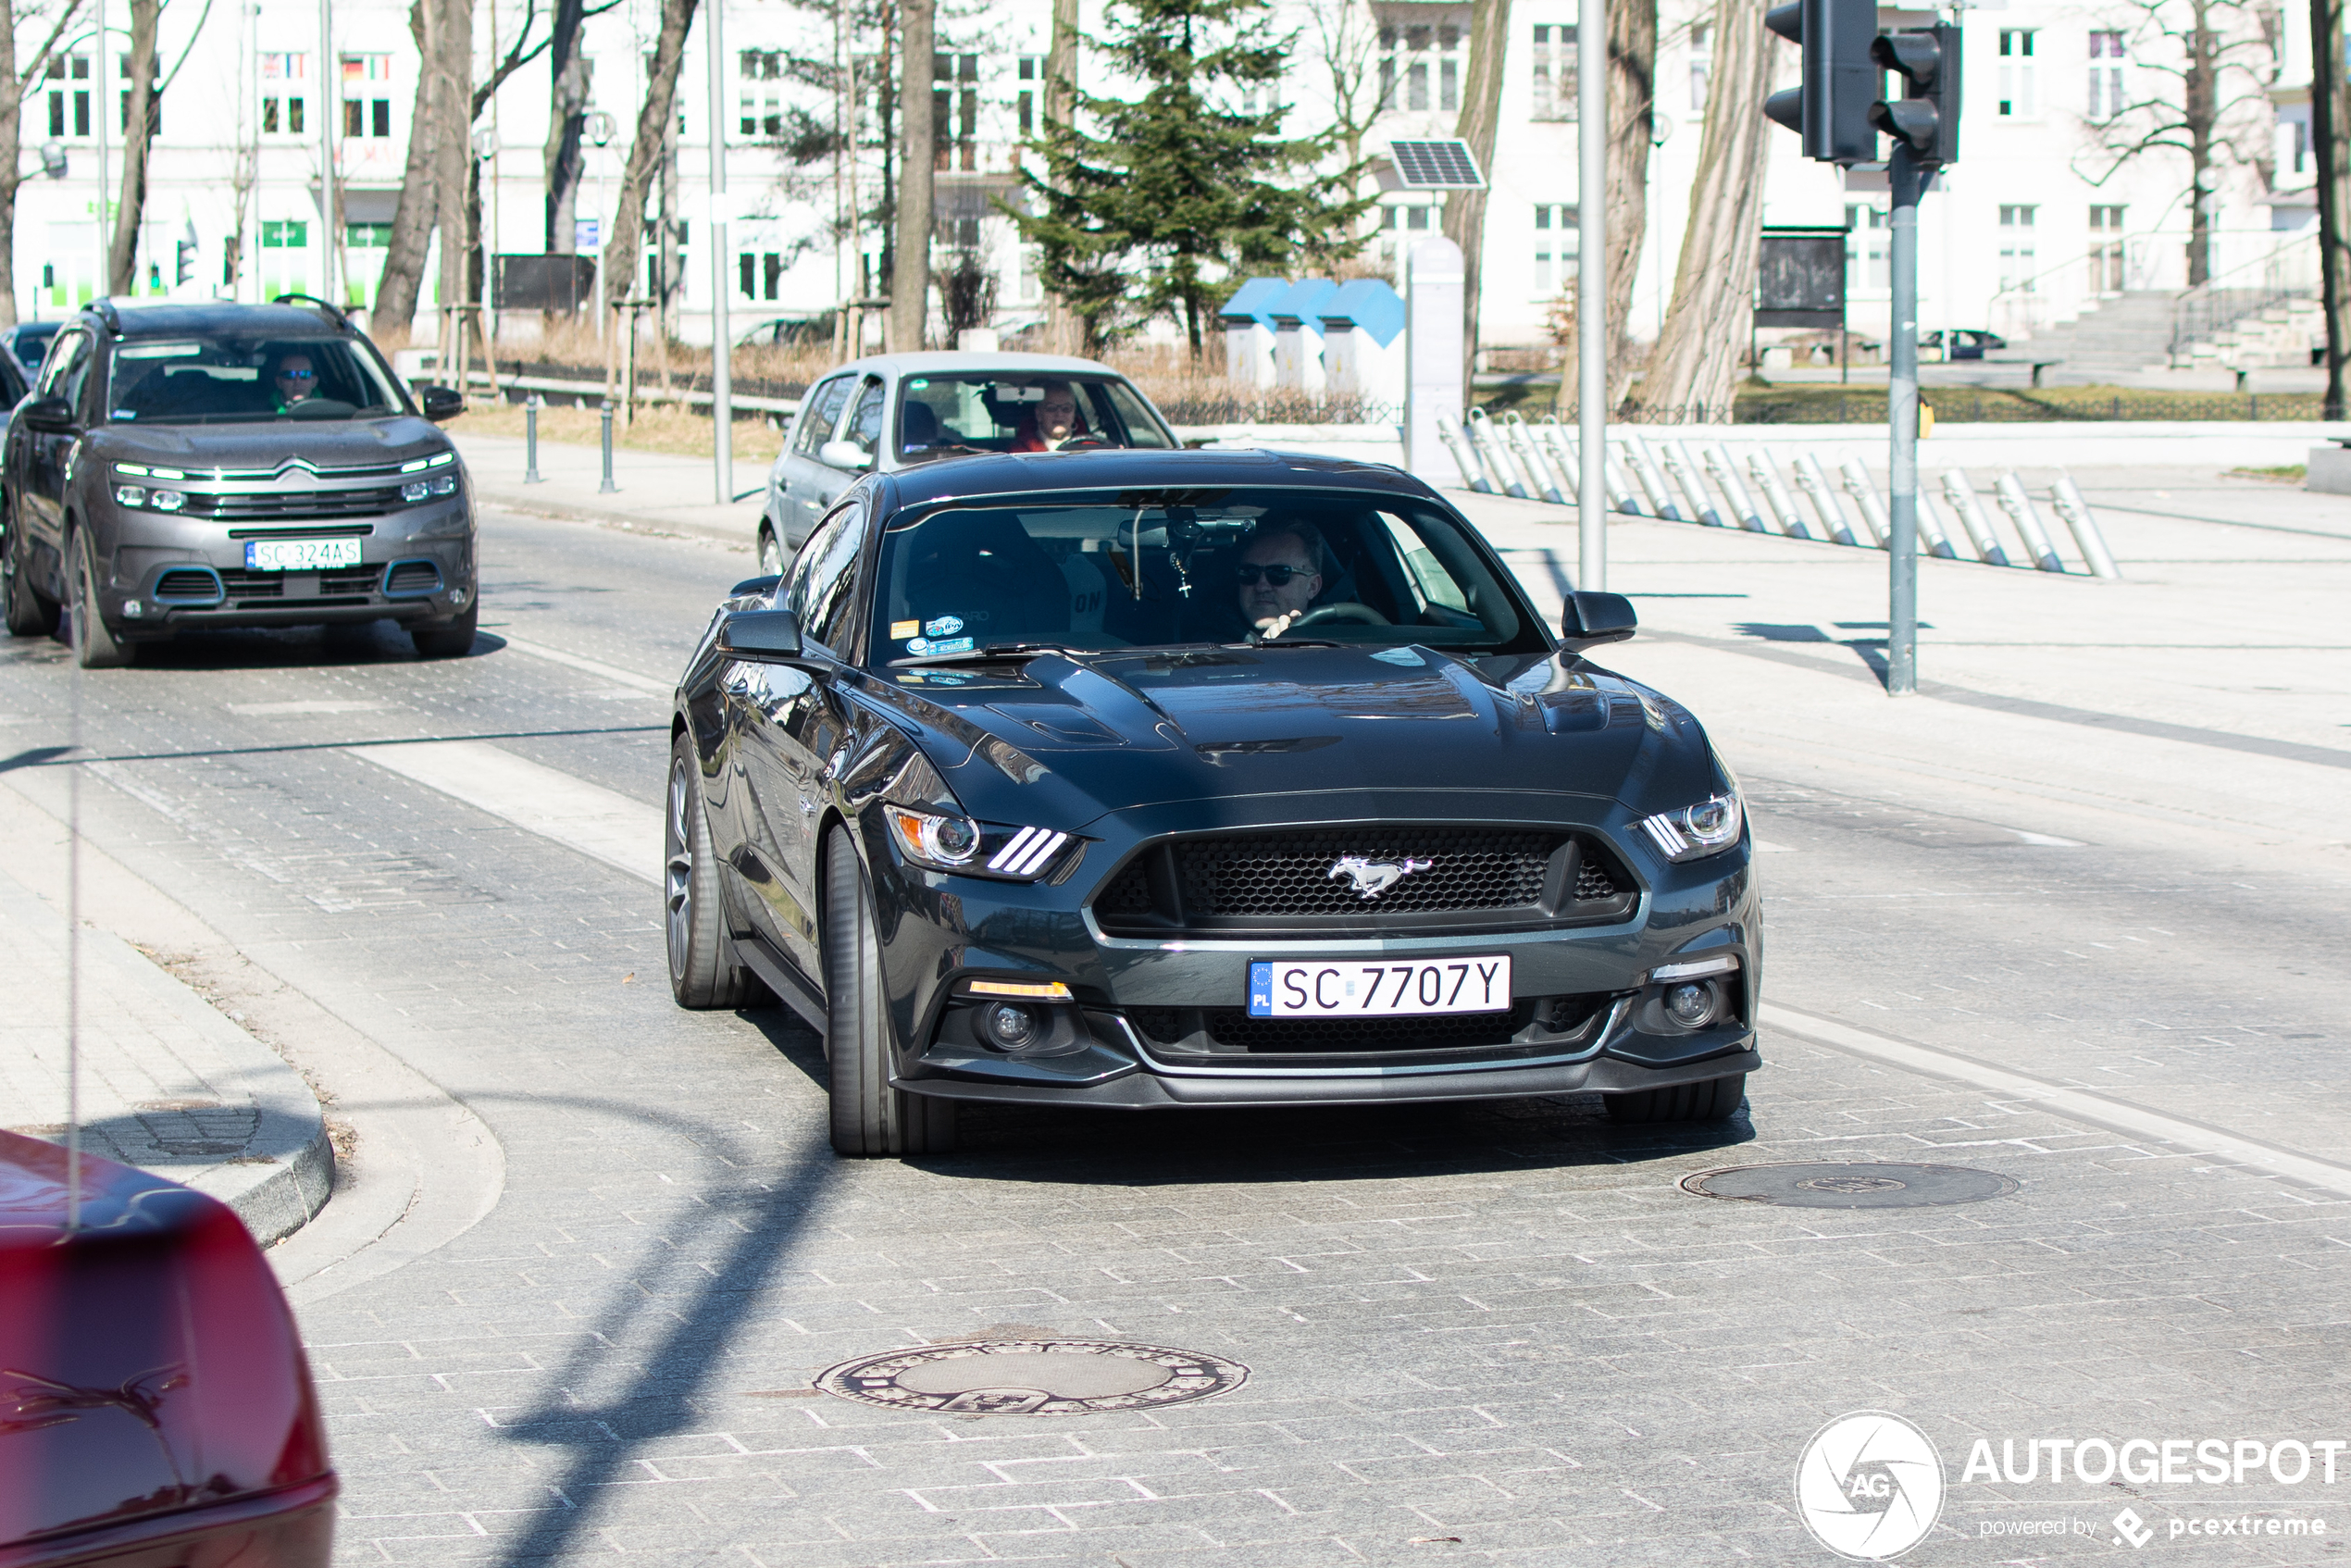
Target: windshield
941,416
1162,568
215,379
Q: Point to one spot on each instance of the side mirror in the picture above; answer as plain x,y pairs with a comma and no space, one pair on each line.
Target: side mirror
440,404
52,415
1597,617
762,636
844,454
754,587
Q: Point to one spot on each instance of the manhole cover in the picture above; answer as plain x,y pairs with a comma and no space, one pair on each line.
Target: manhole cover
1874,1186
1039,1376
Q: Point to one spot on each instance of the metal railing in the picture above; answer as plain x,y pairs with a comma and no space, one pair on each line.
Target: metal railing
2288,271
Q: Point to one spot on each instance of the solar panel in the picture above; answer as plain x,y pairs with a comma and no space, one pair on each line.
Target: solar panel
1436,165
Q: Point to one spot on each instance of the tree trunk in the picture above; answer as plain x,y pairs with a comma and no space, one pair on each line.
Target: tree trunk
1064,332
2330,118
13,88
1693,374
453,65
411,220
1632,110
566,114
910,274
1480,114
138,140
2203,96
625,244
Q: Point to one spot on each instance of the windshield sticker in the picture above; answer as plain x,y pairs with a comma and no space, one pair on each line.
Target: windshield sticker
922,646
1404,656
945,626
937,677
899,630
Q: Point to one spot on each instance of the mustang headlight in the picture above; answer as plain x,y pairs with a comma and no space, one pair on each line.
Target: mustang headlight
947,842
1694,832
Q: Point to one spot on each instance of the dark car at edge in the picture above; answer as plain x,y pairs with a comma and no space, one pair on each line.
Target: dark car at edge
1169,779
187,466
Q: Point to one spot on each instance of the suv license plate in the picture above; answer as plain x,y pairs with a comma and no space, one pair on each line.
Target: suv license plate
1288,989
300,554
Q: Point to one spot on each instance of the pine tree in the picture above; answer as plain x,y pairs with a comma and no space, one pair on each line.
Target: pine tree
1178,193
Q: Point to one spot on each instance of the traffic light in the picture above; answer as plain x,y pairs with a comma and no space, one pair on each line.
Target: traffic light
1926,117
185,252
1832,110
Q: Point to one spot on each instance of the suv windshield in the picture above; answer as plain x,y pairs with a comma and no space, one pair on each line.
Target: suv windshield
941,416
1160,568
216,378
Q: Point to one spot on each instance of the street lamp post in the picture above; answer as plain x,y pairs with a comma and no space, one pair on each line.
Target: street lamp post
1591,294
328,81
722,389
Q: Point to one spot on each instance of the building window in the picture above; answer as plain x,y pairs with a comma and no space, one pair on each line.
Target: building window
1869,257
2106,74
1420,66
368,236
1417,219
2109,266
760,274
954,111
2018,250
1254,98
282,82
762,110
1701,64
1554,73
69,104
2016,72
365,114
155,102
1032,73
1556,238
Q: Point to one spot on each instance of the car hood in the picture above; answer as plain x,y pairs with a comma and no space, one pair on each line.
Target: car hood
322,444
1070,738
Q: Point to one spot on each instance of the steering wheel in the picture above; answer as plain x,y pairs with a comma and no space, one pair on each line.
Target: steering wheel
1348,610
1082,442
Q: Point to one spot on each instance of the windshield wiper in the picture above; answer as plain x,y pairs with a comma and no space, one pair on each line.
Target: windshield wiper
1286,642
994,653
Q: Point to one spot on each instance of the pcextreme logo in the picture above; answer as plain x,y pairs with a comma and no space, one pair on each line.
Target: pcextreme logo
1869,1486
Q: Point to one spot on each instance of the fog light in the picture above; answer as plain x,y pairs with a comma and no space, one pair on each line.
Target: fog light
134,608
459,598
1691,1004
1009,1026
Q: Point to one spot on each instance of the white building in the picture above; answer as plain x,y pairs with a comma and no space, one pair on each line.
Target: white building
2023,233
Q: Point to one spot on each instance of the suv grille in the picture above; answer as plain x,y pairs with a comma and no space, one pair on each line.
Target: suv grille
1294,881
282,504
353,581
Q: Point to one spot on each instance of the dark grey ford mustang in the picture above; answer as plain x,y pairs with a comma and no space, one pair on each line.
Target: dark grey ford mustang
1199,779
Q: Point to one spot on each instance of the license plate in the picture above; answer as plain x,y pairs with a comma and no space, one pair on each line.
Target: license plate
1394,990
300,554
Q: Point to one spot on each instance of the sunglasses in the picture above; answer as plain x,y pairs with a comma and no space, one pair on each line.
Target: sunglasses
297,375
1279,576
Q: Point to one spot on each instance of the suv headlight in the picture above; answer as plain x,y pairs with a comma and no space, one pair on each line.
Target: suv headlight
1694,832
944,842
420,489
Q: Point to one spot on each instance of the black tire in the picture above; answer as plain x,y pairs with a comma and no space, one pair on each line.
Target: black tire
702,973
28,614
451,639
869,1116
772,559
94,645
1716,1099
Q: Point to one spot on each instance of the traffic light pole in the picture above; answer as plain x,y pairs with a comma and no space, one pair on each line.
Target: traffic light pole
1902,418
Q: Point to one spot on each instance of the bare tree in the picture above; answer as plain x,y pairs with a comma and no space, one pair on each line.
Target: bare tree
910,272
1694,371
1347,41
412,219
1065,332
137,141
655,118
453,64
1481,116
2330,123
1632,120
14,88
566,117
2208,64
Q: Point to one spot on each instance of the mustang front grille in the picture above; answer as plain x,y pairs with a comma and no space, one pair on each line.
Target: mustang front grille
1228,1034
1342,879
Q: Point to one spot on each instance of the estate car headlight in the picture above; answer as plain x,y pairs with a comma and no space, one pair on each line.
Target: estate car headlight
947,842
1694,832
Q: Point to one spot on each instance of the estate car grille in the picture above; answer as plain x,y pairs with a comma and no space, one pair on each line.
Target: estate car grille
1416,878
291,504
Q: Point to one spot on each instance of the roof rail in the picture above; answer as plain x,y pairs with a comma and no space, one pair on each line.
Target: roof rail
331,312
103,309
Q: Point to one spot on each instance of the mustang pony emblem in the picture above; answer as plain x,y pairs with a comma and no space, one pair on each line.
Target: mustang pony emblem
1373,878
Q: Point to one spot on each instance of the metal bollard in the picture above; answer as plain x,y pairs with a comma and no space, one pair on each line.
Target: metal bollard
1865,496
1766,476
1684,471
1645,469
2019,506
2067,497
1932,537
1815,486
531,440
1521,437
607,488
1487,445
1726,480
1620,487
1450,434
1961,495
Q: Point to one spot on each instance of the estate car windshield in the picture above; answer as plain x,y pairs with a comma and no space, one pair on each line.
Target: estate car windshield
944,416
1168,567
220,379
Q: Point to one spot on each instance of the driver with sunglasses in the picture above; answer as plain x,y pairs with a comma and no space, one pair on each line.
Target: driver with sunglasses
297,379
1280,573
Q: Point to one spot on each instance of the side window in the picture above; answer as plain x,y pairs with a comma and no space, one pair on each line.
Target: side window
824,414
1142,429
865,423
821,594
68,358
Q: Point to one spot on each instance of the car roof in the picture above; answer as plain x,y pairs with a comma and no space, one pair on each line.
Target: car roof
995,474
943,362
134,321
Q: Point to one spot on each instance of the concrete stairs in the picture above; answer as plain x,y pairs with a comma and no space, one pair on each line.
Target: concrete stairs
2277,334
2123,335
